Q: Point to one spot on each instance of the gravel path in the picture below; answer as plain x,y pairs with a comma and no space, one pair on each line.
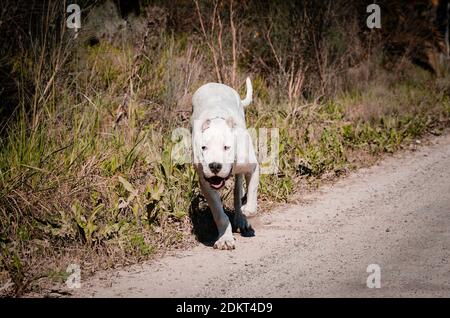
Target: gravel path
395,214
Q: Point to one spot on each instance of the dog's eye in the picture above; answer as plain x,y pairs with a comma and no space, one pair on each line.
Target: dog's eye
203,147
226,147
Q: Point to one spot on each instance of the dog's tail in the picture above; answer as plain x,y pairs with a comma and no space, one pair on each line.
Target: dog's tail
248,98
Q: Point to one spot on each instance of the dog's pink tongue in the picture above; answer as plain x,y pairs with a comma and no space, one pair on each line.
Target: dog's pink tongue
218,186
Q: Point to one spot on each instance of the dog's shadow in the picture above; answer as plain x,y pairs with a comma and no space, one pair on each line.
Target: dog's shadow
203,226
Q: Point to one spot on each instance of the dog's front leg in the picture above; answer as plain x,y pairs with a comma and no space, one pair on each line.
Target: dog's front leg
225,240
252,180
240,221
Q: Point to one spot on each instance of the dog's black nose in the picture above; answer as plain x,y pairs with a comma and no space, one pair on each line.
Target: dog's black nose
215,167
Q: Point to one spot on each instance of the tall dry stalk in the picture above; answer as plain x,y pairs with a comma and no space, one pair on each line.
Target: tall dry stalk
208,39
214,39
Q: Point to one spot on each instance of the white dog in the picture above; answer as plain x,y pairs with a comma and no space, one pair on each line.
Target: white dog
222,147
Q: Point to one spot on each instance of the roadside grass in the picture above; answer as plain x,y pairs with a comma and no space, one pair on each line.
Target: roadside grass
87,175
77,183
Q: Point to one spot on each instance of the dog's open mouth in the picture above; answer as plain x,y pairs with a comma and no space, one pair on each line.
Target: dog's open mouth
216,182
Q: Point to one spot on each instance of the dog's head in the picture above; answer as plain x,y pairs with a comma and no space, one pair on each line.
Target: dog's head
216,150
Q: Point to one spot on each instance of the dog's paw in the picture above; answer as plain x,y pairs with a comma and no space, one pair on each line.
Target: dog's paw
244,227
225,243
247,231
248,210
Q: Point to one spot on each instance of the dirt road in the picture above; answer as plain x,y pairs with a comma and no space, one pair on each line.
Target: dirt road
395,214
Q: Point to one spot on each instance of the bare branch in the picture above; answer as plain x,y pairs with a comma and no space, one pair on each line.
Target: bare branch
208,41
219,41
233,36
274,52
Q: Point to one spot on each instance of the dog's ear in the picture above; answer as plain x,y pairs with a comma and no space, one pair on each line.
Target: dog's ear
230,122
206,124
